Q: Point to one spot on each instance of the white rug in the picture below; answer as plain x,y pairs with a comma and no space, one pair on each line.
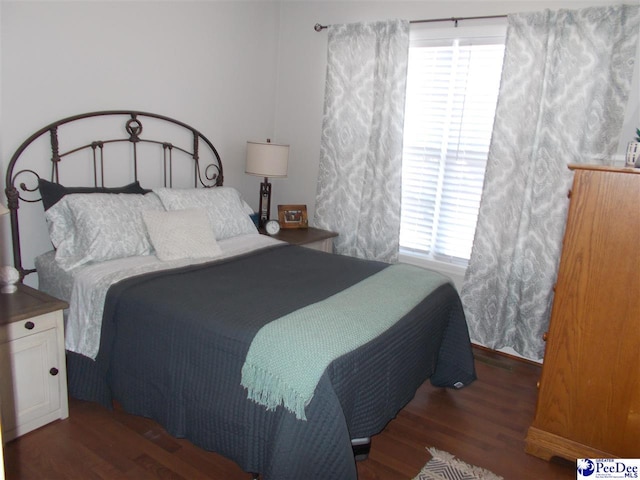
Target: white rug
444,466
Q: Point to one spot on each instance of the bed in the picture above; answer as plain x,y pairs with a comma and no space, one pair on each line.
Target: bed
283,358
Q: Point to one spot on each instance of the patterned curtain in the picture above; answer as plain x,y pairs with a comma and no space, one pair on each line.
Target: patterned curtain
360,178
564,89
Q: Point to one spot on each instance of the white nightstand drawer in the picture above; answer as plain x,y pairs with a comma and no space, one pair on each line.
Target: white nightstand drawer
325,245
23,328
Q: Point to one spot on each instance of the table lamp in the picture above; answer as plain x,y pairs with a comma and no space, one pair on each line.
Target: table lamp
266,160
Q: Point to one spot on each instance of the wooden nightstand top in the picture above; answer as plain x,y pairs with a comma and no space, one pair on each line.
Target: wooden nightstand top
302,236
26,303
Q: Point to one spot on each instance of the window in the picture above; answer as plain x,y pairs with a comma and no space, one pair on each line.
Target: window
452,90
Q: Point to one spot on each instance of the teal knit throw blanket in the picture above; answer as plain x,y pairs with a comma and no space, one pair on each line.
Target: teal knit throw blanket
289,355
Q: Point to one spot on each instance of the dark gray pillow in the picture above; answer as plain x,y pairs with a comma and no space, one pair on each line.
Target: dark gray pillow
51,193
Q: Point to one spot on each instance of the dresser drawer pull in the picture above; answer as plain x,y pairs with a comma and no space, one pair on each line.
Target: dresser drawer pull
53,371
29,325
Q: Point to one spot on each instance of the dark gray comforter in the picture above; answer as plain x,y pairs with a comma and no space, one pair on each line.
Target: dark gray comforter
173,345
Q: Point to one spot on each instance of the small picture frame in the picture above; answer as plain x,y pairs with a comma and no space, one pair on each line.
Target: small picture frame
633,155
293,216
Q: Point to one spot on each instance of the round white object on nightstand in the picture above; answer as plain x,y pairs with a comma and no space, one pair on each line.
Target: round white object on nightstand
9,276
272,227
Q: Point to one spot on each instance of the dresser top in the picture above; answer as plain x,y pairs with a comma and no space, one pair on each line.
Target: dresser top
604,168
26,303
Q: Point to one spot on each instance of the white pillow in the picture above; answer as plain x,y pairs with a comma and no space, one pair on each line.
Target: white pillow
99,226
181,234
224,206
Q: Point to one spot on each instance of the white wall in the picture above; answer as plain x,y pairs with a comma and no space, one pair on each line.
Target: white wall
212,65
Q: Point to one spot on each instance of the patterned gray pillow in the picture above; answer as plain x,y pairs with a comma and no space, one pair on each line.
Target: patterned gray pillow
99,226
224,207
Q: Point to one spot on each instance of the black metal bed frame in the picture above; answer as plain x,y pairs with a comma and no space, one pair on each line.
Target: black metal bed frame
207,175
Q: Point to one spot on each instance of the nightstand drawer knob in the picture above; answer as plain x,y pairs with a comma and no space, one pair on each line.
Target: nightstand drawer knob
29,325
53,371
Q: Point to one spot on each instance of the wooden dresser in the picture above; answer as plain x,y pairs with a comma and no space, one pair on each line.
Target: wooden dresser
589,397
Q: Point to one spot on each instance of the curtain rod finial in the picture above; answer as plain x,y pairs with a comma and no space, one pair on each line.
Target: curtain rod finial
317,27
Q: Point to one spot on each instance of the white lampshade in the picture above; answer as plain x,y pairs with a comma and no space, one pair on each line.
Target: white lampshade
267,159
3,210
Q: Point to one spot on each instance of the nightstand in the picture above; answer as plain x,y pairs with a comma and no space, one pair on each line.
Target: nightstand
33,374
314,238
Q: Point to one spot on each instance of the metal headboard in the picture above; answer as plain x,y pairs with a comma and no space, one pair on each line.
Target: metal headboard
23,183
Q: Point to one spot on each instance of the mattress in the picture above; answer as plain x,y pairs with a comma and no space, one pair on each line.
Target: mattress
85,287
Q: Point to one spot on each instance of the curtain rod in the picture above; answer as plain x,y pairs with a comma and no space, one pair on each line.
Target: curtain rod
317,27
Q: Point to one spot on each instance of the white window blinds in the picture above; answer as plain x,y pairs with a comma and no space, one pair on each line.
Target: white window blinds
452,90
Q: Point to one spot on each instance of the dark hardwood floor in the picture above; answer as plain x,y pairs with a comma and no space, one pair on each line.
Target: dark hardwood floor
484,424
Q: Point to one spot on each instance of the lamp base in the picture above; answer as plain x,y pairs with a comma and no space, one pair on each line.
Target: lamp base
265,202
